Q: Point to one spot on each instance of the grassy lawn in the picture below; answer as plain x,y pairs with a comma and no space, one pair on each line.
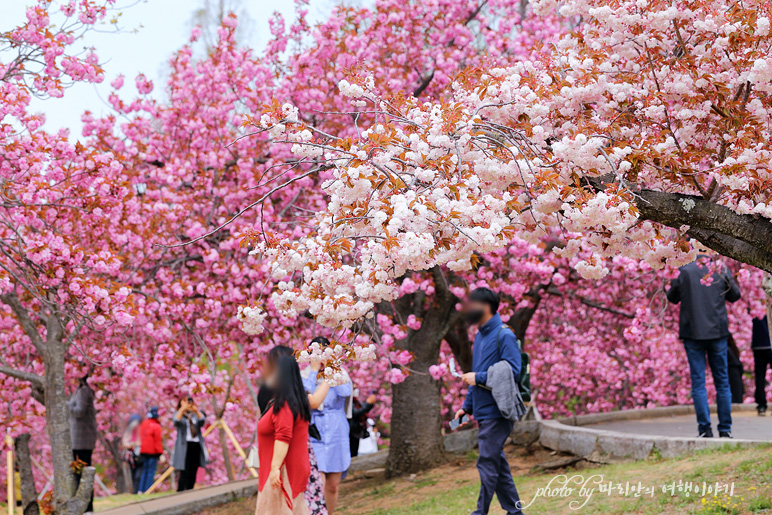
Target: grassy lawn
452,488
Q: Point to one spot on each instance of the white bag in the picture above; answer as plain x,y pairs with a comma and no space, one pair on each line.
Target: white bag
253,460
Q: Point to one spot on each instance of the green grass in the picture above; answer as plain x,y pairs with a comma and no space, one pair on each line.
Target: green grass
435,493
105,503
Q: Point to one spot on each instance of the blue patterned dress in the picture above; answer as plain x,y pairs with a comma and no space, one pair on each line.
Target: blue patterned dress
333,451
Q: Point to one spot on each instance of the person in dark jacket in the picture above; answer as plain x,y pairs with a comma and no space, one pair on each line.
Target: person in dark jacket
494,342
735,371
358,428
704,329
83,428
762,359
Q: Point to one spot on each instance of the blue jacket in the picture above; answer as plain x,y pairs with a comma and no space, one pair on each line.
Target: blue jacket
486,353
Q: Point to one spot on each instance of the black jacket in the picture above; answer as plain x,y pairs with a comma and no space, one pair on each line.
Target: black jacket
358,420
760,334
703,308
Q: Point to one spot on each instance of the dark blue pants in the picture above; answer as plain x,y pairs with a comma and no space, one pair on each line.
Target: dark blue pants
714,352
149,464
495,475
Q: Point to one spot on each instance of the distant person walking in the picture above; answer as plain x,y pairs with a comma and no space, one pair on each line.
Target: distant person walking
704,329
132,443
494,343
735,371
152,448
358,427
282,436
762,360
189,448
83,428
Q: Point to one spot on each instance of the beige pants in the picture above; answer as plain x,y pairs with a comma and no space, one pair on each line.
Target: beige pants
272,501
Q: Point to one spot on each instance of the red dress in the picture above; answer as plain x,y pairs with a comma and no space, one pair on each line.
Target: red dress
284,427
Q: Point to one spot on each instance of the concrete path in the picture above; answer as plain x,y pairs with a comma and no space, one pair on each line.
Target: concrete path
745,425
189,502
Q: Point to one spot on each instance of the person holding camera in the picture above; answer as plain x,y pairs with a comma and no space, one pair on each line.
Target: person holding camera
189,449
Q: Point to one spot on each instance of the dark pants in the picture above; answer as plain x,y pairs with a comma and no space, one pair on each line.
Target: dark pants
714,352
192,460
149,464
495,475
136,476
84,455
762,359
736,384
354,445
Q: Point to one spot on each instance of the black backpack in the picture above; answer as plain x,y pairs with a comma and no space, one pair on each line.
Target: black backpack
524,383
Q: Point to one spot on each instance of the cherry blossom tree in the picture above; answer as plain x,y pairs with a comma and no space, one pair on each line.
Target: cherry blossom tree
609,137
65,215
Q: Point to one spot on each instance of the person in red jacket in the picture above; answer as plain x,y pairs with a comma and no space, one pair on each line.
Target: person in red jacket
282,442
151,448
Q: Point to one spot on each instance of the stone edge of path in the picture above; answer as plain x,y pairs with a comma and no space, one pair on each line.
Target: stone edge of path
638,414
188,502
572,435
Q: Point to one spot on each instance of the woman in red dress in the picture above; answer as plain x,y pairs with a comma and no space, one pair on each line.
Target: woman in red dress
282,441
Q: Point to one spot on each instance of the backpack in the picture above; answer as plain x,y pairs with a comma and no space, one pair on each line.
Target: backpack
524,382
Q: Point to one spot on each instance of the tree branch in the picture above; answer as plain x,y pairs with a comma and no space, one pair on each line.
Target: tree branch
746,238
35,379
22,315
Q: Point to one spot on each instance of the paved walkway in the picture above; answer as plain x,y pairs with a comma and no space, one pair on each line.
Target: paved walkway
746,425
189,502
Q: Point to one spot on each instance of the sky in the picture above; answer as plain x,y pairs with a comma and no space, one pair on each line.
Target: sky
150,32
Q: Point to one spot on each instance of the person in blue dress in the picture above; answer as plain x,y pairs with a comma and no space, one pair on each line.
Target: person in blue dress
333,451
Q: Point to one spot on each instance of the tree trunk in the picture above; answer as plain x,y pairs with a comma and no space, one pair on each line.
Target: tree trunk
58,427
58,419
29,494
416,420
226,454
416,438
124,483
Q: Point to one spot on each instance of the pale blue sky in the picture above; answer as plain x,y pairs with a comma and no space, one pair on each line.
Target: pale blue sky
152,31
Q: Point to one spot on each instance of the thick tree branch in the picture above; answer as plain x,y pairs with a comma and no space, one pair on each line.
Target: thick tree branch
746,238
424,84
35,379
79,502
590,303
22,315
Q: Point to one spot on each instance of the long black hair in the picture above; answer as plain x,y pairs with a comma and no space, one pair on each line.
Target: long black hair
289,389
278,351
265,393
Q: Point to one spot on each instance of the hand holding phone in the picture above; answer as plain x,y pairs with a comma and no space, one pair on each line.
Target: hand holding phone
458,422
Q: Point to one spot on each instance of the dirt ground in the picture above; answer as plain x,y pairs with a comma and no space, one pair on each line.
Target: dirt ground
359,494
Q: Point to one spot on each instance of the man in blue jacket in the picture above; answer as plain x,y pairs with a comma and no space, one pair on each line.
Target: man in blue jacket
494,342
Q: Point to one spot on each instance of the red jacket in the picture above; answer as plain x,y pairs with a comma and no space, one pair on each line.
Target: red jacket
150,436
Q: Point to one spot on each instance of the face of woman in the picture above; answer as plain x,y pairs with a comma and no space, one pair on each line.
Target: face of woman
270,374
